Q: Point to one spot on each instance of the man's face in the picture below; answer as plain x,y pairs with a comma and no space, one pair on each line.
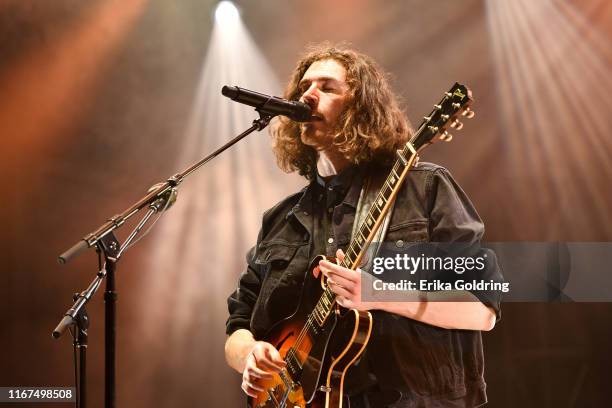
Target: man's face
324,88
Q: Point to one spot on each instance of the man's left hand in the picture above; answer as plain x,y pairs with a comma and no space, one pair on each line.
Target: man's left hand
346,283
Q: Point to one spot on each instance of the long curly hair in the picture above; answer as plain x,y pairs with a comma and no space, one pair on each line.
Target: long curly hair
371,128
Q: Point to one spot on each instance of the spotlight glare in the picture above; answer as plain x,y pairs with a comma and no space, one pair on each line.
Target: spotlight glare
226,12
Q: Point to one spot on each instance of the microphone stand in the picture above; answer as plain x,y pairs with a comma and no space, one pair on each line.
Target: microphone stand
80,344
159,198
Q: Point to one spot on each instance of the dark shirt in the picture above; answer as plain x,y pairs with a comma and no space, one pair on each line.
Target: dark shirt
427,366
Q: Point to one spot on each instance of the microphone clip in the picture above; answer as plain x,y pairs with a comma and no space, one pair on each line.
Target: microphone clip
264,119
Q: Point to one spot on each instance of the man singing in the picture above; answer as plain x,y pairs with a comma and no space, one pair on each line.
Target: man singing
423,353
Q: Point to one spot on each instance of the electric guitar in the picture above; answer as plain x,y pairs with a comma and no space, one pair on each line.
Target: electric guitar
320,344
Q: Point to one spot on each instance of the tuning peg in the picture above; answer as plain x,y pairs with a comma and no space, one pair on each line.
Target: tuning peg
455,124
446,137
445,116
468,113
437,107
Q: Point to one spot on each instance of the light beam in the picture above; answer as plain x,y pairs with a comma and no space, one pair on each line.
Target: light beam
554,80
201,243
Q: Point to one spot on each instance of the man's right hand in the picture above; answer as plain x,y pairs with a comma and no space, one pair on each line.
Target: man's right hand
261,363
256,360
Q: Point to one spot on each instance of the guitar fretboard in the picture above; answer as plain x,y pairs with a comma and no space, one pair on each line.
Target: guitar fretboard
366,231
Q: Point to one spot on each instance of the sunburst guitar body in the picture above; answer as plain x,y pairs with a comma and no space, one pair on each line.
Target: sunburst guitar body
318,346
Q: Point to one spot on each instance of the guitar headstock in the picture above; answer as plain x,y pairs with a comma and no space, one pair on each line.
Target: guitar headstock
455,103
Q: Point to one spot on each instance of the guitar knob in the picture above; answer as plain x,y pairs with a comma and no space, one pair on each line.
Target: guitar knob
456,124
468,113
446,137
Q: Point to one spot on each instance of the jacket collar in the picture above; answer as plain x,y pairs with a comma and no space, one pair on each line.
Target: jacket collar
347,185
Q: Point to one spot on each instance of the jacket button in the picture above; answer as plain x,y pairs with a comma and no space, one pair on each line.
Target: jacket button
305,212
399,243
330,240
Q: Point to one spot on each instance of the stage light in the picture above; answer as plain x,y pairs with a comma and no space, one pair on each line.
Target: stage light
226,13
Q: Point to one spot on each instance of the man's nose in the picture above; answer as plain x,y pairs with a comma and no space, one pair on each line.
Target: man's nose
311,96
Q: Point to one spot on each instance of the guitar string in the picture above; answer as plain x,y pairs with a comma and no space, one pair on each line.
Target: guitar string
371,214
310,320
381,196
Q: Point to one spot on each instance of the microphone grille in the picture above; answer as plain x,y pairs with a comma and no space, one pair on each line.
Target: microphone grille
230,91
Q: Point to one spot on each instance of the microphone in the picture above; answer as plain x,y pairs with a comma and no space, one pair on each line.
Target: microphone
269,105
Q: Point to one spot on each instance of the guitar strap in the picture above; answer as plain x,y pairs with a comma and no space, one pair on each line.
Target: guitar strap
369,191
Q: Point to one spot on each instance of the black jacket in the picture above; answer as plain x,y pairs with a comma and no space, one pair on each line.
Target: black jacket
429,366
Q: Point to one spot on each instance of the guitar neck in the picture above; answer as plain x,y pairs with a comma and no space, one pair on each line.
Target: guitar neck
369,226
